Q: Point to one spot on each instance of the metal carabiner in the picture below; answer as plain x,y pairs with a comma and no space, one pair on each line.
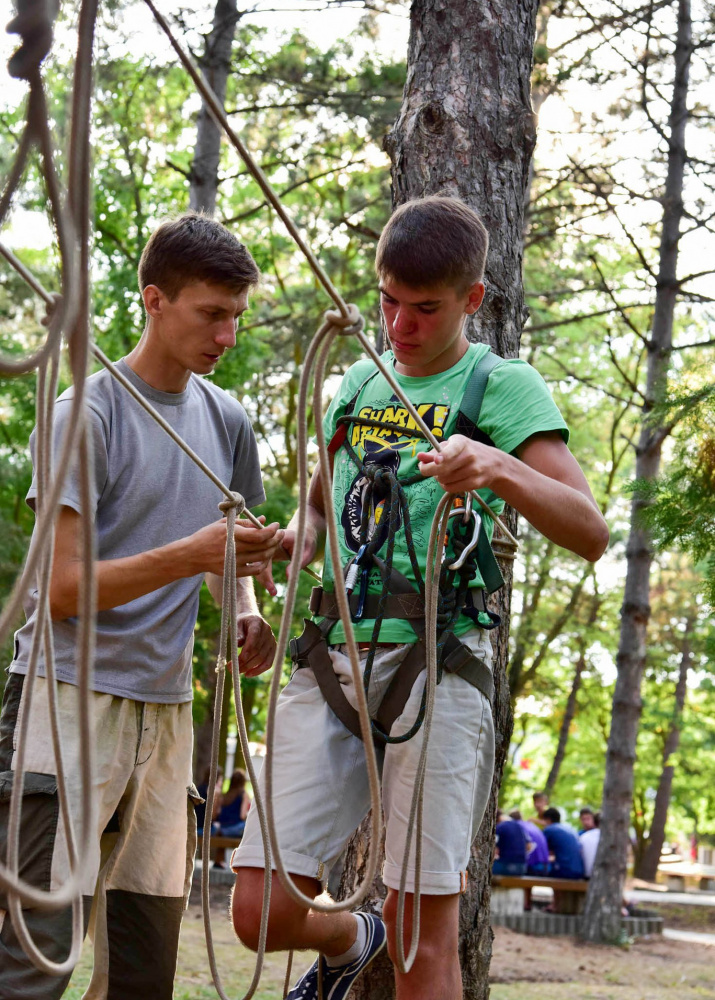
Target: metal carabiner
472,544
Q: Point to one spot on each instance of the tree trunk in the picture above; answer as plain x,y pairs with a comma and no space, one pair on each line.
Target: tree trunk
648,867
571,702
569,713
216,65
602,914
466,128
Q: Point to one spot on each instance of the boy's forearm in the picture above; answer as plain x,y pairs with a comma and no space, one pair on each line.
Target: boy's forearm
560,512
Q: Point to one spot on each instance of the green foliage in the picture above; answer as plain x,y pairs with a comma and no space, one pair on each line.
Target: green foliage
681,503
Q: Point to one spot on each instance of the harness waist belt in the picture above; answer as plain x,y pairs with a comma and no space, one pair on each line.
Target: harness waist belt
325,605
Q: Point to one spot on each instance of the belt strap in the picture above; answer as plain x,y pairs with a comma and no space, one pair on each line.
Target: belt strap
405,606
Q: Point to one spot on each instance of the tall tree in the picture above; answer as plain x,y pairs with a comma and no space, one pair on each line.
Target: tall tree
216,64
467,128
647,866
602,914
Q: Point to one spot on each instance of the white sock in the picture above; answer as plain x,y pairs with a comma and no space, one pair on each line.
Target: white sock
355,950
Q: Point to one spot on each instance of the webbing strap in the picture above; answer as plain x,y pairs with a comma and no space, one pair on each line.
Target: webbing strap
311,650
405,606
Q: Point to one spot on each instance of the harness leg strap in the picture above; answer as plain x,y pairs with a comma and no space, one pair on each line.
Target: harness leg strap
311,650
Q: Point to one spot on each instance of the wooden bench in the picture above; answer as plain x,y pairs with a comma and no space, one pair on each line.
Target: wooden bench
569,894
216,842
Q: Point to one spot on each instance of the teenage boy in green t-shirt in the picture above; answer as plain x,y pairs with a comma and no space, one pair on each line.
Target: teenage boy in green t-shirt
430,263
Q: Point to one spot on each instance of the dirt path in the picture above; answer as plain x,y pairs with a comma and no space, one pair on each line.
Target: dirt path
536,968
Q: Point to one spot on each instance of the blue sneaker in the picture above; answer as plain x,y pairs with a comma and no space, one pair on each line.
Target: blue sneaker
336,982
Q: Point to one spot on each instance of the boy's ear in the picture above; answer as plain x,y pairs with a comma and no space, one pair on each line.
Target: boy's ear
475,297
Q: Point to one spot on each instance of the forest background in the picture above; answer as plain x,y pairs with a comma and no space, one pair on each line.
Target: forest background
315,104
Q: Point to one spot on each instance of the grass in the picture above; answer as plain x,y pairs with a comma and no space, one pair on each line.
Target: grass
193,978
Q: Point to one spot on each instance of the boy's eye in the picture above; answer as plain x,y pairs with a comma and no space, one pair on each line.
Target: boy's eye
427,312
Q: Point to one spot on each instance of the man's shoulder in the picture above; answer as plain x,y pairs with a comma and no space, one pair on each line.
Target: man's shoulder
219,400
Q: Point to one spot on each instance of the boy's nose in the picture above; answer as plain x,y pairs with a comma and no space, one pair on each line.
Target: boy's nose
403,322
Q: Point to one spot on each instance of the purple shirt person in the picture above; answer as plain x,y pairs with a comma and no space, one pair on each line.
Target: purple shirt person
537,859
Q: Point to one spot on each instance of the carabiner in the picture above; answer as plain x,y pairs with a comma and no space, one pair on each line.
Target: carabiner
472,544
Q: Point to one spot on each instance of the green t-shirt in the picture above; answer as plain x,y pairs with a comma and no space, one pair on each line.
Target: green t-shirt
517,404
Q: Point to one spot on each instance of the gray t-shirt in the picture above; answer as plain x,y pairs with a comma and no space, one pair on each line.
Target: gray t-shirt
148,493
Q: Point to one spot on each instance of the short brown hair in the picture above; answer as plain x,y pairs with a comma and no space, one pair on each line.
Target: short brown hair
194,248
433,241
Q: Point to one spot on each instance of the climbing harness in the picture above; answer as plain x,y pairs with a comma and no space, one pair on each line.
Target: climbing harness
385,511
68,317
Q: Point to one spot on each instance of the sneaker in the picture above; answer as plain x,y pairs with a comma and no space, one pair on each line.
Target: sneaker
336,982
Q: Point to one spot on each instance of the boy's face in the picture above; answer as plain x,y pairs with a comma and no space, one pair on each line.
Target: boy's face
194,330
425,325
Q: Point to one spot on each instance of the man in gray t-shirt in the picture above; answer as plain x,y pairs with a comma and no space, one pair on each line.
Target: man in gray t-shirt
159,534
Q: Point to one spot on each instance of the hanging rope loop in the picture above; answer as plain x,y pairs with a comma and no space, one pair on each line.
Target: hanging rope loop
34,23
347,326
238,504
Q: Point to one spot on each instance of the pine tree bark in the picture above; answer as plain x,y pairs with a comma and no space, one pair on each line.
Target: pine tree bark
648,868
466,128
216,65
602,912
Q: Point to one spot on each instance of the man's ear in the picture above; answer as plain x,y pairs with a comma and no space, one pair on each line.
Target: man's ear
475,297
154,300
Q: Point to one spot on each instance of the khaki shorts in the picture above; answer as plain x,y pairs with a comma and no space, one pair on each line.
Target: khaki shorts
137,871
321,792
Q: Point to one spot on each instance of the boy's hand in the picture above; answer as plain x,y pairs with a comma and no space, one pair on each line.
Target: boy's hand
258,643
310,548
462,464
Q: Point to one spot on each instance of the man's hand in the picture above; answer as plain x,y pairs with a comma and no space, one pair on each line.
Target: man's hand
258,645
255,547
462,464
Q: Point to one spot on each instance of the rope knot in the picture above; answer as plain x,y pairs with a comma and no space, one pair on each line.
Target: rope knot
348,325
34,23
238,504
51,309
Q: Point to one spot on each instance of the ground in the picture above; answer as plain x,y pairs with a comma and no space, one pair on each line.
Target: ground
523,968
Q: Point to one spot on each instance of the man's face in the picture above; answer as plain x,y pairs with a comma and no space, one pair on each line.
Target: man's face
587,821
424,325
198,326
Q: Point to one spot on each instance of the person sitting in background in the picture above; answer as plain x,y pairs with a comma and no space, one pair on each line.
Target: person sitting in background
234,807
587,819
541,803
511,845
589,844
537,857
203,790
564,845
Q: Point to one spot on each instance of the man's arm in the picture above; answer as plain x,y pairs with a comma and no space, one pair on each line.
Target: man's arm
254,634
545,484
122,580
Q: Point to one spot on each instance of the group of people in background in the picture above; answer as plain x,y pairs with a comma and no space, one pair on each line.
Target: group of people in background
544,845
